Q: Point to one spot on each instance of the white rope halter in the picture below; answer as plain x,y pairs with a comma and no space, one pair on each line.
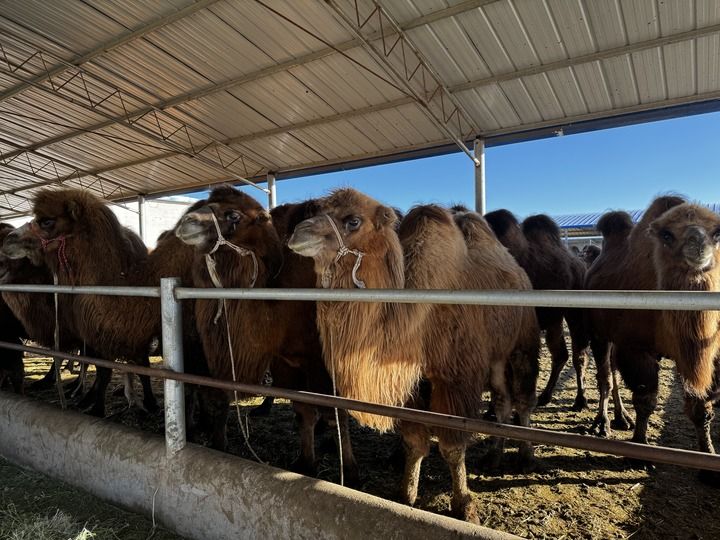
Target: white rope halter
342,251
212,266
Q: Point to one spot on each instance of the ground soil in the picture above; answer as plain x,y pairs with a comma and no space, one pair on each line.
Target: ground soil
574,494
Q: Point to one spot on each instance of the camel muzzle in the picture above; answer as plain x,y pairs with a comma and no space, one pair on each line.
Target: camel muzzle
698,250
194,228
14,245
305,240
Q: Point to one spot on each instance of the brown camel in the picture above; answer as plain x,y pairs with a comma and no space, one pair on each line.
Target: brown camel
539,250
74,224
589,253
245,244
380,352
11,330
676,246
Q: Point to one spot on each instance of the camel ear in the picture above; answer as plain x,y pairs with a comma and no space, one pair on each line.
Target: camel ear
384,216
73,209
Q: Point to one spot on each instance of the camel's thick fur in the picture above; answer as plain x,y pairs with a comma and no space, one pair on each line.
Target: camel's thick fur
538,248
281,336
380,352
658,254
11,330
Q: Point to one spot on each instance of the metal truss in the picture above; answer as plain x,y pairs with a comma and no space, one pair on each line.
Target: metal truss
97,95
400,57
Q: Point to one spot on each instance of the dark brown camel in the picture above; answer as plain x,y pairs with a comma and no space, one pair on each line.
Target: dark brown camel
11,330
539,250
676,246
380,352
589,253
281,336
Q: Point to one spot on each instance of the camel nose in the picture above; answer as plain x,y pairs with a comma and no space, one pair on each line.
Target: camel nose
696,236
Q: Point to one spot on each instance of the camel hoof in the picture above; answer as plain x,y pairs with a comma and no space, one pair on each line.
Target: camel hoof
709,478
544,399
601,427
580,404
529,464
640,464
622,424
468,512
301,466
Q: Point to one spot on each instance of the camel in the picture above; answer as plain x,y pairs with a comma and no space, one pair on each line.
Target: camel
11,330
72,224
589,253
675,246
538,248
380,352
244,242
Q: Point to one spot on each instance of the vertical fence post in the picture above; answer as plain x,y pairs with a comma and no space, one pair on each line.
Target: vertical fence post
142,223
272,196
480,176
171,312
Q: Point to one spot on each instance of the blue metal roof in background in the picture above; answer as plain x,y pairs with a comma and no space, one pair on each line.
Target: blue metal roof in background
588,221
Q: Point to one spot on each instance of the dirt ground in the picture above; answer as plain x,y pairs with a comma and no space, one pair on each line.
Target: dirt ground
574,494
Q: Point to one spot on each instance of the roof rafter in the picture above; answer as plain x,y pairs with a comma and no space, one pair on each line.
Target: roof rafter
108,46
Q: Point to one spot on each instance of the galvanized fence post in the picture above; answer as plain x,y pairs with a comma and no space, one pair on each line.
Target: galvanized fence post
171,311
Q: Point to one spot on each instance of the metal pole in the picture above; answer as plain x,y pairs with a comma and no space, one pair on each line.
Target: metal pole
480,176
272,191
171,312
141,216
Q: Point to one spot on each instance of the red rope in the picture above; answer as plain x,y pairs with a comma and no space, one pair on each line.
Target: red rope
61,252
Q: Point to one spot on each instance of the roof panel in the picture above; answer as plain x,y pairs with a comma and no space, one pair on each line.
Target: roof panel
680,68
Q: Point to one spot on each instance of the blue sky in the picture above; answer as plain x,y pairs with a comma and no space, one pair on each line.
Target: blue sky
621,168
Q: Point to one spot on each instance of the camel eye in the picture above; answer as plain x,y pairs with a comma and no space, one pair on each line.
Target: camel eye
353,223
716,236
46,223
666,236
232,216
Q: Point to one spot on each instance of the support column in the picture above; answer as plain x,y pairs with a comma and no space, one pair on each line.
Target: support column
171,313
480,176
272,196
141,217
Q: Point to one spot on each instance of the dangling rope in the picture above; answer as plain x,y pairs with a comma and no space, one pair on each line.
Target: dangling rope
56,343
222,306
342,251
337,414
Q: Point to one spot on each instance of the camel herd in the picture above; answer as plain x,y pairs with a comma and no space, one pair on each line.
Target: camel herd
441,358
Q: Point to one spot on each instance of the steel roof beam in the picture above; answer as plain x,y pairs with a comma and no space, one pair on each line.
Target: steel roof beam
212,89
109,46
206,148
401,58
587,58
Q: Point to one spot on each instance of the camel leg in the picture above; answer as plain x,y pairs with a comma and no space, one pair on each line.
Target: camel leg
81,380
306,416
17,372
150,404
523,381
580,343
462,505
701,414
601,424
503,410
622,420
640,371
47,381
102,380
555,341
416,440
214,407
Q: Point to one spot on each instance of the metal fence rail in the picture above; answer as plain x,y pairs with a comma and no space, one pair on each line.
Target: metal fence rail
170,296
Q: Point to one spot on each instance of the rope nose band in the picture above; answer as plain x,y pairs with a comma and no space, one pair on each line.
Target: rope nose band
212,266
61,253
342,251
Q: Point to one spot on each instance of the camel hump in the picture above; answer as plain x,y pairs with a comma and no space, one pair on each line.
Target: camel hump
541,226
615,223
501,221
459,209
659,206
419,216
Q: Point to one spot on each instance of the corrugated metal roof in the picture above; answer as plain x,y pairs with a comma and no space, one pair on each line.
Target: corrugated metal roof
589,221
129,96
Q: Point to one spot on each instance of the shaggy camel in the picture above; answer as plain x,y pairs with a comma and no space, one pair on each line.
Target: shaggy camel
539,250
72,224
11,330
589,253
244,242
380,352
682,242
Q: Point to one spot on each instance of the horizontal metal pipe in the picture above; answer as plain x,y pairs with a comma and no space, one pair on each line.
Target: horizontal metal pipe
654,300
658,454
149,292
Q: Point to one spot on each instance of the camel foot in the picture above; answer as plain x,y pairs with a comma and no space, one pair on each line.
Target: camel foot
351,475
528,464
580,404
219,442
302,466
601,426
709,478
263,409
622,424
491,461
466,511
544,398
640,464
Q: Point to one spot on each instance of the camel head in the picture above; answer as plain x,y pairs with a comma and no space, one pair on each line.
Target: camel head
687,238
22,243
5,262
240,220
351,220
589,253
